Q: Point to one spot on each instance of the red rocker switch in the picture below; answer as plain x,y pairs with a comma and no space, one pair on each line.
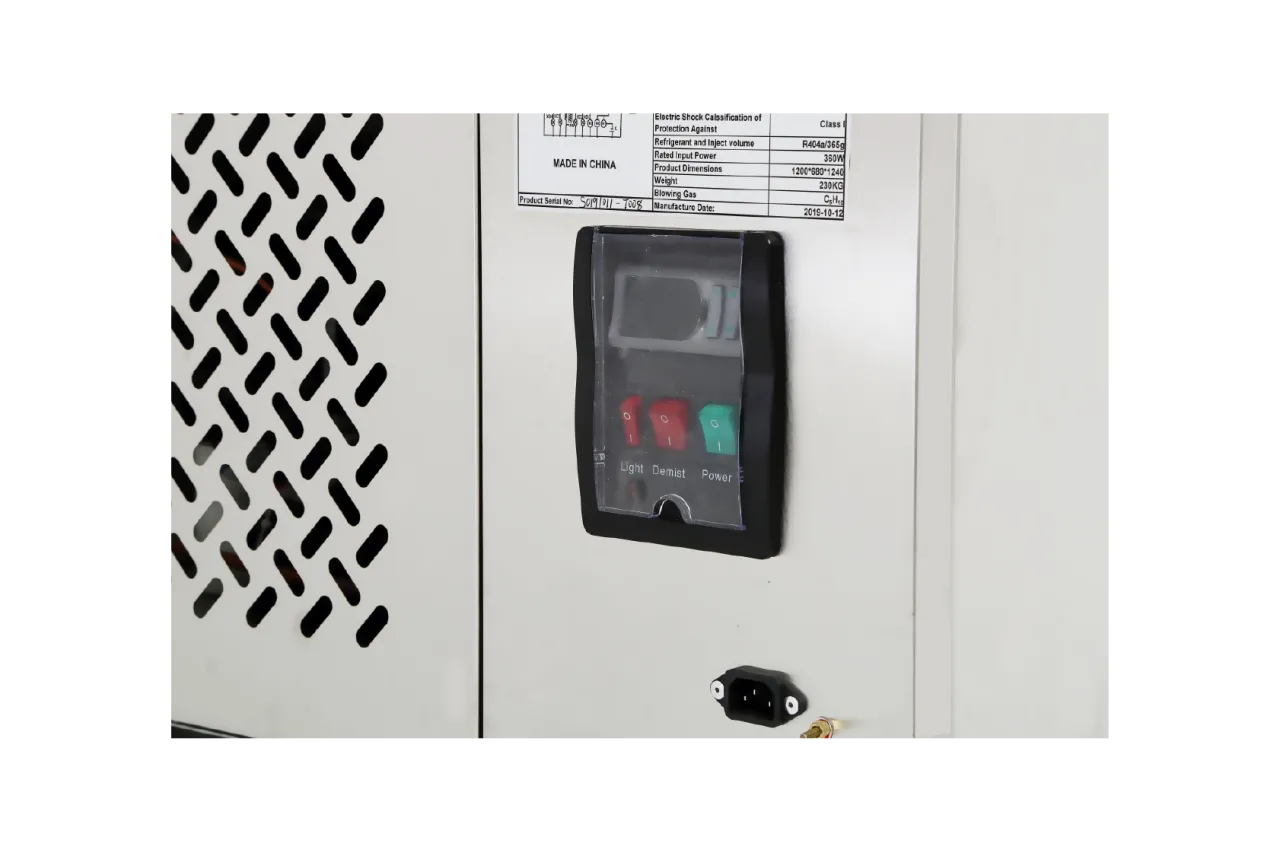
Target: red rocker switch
631,420
670,420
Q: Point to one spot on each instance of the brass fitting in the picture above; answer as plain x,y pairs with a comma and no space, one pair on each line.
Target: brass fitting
821,728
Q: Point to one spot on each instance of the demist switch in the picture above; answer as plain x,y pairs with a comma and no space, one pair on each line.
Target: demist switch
670,419
681,388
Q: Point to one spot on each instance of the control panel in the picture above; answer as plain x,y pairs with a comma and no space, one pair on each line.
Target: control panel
681,387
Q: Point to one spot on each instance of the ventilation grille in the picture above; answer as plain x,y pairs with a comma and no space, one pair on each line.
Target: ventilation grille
257,439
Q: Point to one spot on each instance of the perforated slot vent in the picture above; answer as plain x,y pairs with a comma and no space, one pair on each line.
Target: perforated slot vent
273,298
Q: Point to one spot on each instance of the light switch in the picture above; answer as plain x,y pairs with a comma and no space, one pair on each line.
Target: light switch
630,410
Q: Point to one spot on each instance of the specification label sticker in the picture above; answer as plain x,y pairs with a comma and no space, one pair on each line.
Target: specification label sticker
727,164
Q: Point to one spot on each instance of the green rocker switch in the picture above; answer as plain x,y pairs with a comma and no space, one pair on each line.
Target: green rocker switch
720,427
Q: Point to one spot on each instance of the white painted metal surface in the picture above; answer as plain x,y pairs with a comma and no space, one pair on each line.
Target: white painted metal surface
590,636
939,164
1030,516
418,676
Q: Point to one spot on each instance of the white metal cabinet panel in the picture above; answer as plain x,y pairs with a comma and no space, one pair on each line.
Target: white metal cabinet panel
419,675
603,637
1030,523
935,370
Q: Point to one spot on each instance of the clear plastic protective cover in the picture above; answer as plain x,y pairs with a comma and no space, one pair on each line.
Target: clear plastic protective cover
668,378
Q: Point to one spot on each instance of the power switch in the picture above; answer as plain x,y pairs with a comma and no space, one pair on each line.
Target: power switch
670,419
630,409
720,427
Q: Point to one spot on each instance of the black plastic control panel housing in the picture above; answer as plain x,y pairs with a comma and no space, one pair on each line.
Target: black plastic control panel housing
680,418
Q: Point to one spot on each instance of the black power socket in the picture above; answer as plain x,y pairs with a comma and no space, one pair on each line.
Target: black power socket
762,697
